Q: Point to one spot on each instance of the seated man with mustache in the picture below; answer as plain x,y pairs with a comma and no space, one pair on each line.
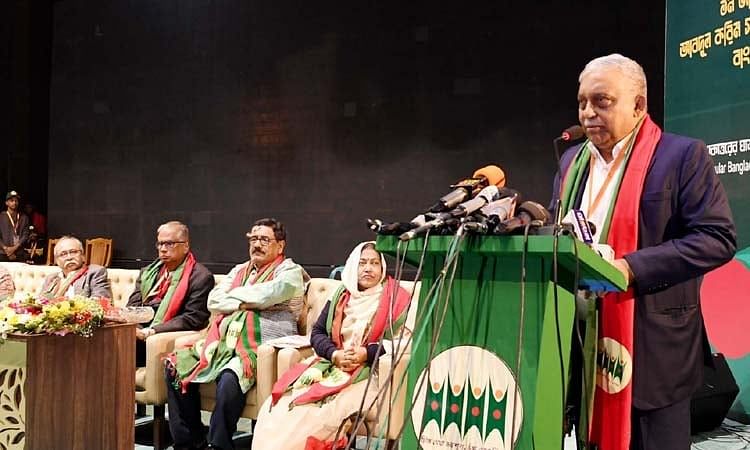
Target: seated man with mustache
258,300
75,277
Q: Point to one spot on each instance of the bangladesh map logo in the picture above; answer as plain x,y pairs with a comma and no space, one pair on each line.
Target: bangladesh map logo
614,366
467,402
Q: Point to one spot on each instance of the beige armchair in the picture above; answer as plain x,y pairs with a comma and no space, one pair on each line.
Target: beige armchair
319,292
265,376
150,386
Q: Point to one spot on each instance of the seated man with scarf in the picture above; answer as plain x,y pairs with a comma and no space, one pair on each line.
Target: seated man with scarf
75,277
313,398
258,300
176,286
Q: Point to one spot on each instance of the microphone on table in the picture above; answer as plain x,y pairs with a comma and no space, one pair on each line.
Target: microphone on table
584,230
380,227
485,196
529,213
469,187
493,213
463,190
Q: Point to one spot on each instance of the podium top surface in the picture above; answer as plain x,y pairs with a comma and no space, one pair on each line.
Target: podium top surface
594,273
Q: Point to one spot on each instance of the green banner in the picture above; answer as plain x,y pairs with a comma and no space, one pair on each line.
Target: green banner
707,96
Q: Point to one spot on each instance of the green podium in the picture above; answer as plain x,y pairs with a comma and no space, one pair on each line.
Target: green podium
494,376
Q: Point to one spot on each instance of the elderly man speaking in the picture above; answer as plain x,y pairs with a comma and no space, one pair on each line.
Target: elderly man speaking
657,201
75,277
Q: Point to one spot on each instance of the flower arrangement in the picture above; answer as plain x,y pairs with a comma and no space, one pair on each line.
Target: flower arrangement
61,316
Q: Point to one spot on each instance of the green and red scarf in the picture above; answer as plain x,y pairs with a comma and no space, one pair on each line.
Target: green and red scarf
241,338
609,420
172,301
323,377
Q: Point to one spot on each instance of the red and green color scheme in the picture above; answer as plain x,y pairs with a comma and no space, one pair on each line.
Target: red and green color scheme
706,96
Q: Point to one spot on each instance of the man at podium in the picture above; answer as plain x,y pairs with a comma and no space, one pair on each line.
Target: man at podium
656,200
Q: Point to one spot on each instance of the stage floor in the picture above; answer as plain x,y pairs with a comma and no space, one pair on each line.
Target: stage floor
730,436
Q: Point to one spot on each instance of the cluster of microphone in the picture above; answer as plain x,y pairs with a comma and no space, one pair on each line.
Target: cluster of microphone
482,204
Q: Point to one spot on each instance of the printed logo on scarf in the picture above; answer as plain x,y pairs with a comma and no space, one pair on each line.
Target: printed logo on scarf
234,331
467,402
614,366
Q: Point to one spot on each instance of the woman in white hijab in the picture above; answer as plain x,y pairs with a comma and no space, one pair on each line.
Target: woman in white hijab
312,399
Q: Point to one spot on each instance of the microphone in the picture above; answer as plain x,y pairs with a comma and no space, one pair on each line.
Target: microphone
469,187
477,226
572,133
582,228
486,195
499,211
529,213
484,222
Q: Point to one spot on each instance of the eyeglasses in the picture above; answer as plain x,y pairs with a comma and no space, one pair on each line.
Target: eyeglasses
169,245
264,240
65,253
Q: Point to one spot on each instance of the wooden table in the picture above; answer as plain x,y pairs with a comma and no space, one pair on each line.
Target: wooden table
68,392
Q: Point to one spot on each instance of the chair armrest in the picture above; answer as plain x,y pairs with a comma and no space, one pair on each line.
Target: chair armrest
394,389
187,340
291,356
157,346
265,375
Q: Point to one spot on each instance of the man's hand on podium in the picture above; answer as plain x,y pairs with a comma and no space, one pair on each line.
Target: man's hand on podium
624,268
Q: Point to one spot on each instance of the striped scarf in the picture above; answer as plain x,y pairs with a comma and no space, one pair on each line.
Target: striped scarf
60,285
206,359
172,301
323,377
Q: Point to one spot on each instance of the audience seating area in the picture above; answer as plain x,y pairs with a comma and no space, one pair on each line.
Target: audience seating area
150,385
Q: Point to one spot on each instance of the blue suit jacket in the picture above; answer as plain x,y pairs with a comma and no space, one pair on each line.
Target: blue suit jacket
685,229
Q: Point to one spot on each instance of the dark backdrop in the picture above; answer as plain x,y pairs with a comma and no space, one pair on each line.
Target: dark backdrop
318,113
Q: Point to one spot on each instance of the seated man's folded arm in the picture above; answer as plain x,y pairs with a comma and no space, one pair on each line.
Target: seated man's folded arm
218,300
287,283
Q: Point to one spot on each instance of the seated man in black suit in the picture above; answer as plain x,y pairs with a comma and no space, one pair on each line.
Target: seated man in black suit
176,286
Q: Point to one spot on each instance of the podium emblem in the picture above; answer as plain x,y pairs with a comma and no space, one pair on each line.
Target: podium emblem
466,398
614,366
